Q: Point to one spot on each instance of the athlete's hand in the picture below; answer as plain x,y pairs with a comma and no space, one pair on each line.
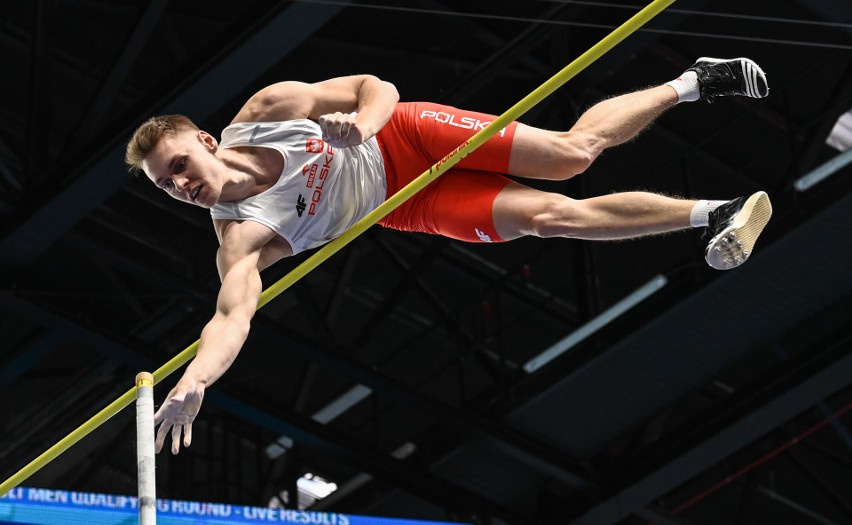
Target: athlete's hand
341,130
178,412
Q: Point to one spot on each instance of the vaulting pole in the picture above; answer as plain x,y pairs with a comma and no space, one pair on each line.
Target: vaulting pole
437,169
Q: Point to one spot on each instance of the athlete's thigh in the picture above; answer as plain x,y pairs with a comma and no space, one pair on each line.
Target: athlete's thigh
460,205
441,129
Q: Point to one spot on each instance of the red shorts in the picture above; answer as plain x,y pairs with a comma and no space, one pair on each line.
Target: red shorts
458,204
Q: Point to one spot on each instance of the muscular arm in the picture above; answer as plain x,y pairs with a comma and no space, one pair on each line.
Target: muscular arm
371,100
223,337
240,258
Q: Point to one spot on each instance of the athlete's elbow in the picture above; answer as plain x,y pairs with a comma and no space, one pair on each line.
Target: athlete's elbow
375,84
393,93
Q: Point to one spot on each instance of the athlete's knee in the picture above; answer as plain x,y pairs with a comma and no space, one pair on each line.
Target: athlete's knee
580,149
586,147
556,216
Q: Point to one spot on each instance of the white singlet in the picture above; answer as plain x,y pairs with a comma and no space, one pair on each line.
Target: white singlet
322,190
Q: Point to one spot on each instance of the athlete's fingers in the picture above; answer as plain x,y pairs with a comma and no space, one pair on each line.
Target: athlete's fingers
161,437
187,434
176,439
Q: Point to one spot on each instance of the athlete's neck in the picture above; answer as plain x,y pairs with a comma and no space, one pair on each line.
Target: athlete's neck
251,170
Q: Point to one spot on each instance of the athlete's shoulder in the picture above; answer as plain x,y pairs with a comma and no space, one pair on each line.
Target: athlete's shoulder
242,235
278,102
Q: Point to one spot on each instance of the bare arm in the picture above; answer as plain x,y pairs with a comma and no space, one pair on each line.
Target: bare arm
239,259
359,105
223,337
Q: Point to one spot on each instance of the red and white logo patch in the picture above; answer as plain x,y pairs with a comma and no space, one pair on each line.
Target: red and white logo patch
314,145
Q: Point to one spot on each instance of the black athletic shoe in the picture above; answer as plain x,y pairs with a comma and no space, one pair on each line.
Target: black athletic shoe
720,77
734,227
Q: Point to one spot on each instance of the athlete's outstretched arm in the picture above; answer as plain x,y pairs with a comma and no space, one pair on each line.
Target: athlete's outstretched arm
349,109
240,260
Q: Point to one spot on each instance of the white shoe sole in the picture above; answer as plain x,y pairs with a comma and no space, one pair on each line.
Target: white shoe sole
734,245
751,72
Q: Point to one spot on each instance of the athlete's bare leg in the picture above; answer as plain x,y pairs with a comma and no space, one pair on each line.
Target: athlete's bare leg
519,210
541,154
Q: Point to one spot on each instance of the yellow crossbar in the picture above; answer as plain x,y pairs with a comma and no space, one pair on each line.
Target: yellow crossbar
513,113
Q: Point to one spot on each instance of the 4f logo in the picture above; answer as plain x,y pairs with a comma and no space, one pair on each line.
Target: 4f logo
313,145
300,205
484,237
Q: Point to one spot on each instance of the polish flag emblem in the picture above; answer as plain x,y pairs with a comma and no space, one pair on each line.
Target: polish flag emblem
314,145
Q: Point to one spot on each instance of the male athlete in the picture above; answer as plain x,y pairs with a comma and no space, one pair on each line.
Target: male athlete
301,163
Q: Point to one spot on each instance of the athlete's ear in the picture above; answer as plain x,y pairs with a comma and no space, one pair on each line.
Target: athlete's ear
208,140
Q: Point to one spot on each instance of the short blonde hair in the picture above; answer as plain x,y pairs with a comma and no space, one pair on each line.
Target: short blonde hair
146,137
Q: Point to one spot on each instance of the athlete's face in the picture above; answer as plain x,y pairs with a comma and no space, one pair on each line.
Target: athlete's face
185,167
